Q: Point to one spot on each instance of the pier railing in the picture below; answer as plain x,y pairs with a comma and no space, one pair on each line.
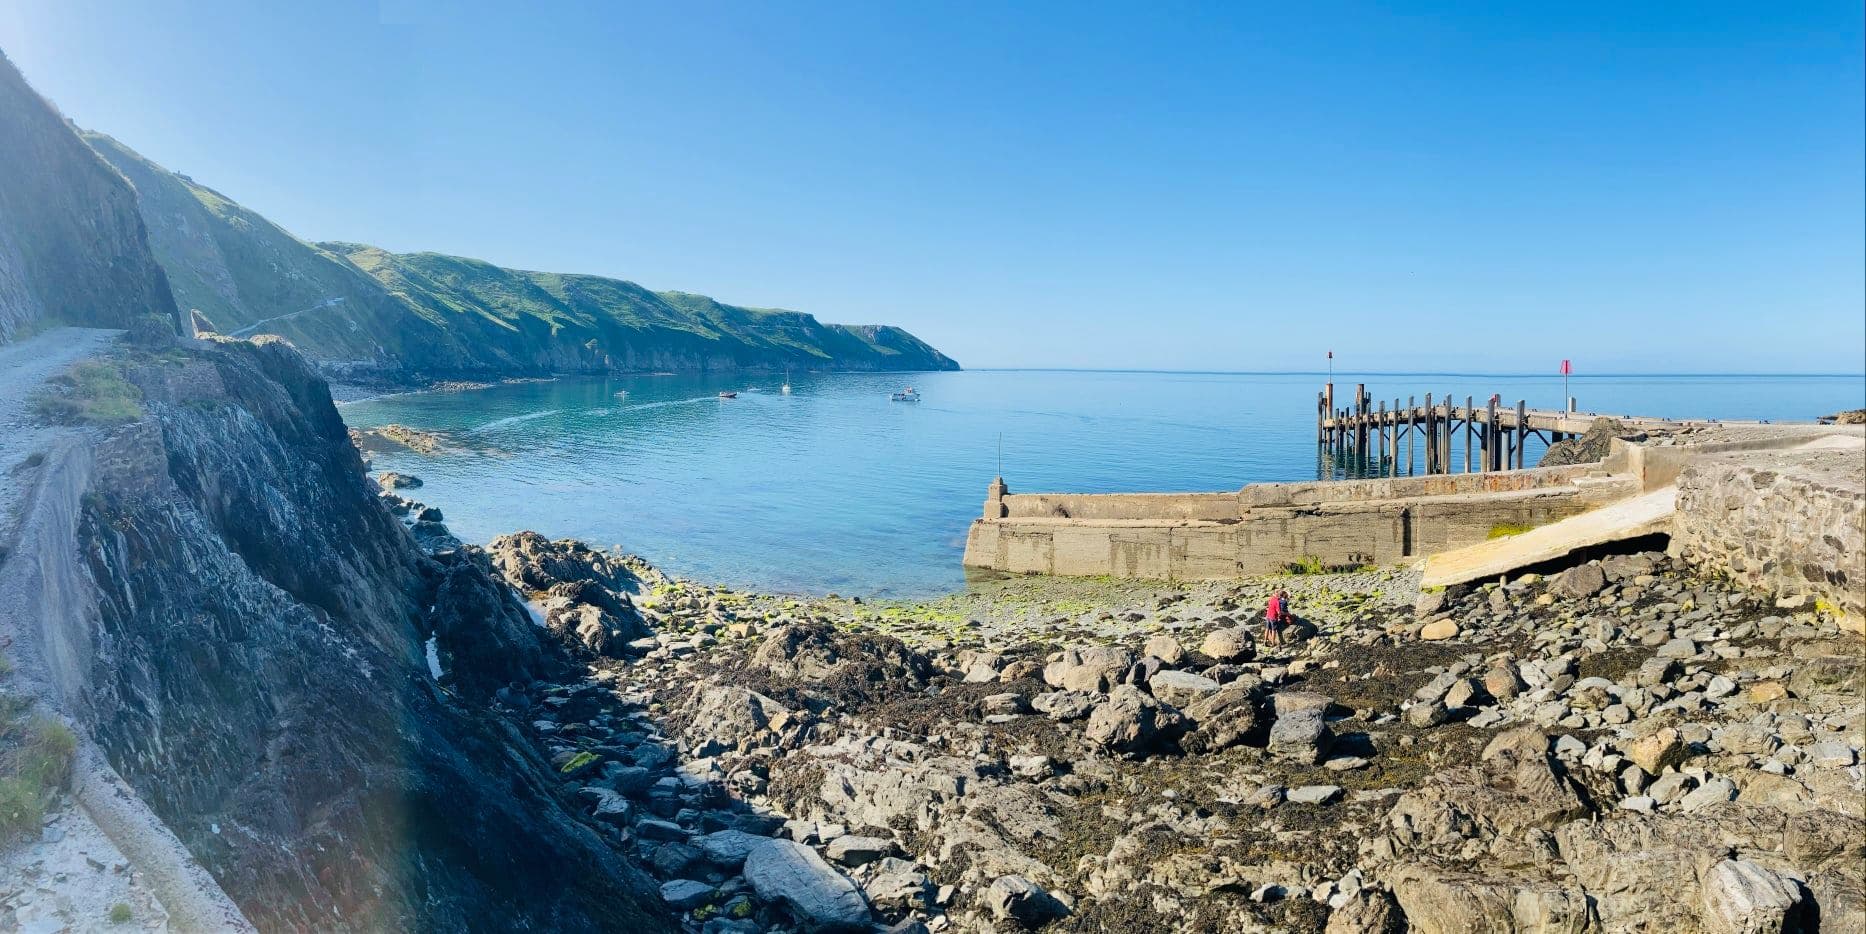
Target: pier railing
1378,441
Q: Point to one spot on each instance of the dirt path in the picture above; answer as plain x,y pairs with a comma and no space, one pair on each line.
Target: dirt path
24,367
102,855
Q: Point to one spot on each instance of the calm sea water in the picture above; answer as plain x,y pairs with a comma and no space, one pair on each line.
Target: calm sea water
836,488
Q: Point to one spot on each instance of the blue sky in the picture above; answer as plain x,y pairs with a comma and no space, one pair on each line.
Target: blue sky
1468,186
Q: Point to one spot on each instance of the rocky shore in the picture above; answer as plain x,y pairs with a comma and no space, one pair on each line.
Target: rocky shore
1618,746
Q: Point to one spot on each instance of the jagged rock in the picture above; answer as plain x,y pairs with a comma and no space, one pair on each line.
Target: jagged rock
1064,705
790,873
390,480
1514,788
1656,671
1224,718
1742,897
1438,900
1840,897
1180,688
1579,582
1014,898
736,717
1593,445
1426,715
1368,911
1132,722
1229,645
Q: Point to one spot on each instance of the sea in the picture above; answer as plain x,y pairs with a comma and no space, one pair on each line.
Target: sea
835,488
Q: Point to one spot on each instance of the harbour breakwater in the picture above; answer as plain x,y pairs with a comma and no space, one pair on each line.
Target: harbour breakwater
1774,506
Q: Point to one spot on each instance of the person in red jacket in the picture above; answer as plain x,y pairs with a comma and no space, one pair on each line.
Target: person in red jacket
1275,617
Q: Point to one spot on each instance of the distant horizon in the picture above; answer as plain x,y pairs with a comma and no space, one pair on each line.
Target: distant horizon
1454,373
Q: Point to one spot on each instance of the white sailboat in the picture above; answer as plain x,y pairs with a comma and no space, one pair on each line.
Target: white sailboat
785,389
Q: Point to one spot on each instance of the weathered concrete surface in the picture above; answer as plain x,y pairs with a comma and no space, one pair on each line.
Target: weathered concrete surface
1264,527
1793,522
1643,515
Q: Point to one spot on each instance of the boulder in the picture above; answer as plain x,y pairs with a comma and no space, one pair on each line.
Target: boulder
1165,648
1579,582
1224,717
1742,897
1181,688
1368,911
1229,645
1439,900
1299,735
1439,630
1656,750
737,717
686,894
1015,898
1064,705
791,874
851,850
727,849
1132,722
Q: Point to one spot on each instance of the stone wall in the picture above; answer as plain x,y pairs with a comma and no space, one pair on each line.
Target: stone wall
1263,528
1790,522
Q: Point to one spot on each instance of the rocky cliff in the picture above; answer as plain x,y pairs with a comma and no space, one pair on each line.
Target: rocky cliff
212,592
367,315
260,674
71,245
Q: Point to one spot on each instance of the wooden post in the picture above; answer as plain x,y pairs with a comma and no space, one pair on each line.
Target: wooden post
1411,445
1360,421
1491,460
1380,436
1431,437
1470,423
1445,432
1522,434
1393,467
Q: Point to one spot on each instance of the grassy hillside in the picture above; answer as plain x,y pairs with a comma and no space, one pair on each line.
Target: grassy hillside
367,314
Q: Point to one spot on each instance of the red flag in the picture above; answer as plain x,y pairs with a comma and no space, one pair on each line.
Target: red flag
1565,368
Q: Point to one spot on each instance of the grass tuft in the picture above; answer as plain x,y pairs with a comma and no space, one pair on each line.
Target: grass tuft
91,393
35,762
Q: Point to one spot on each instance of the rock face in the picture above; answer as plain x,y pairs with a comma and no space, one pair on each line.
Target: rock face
257,674
72,246
585,593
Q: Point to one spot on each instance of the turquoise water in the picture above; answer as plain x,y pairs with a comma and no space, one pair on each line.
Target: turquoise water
835,488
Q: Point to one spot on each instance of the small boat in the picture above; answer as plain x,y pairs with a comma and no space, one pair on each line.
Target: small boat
785,389
906,395
728,394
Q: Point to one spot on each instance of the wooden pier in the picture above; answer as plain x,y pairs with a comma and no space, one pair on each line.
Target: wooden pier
1395,441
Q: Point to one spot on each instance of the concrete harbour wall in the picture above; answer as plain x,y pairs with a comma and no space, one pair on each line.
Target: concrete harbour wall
1262,528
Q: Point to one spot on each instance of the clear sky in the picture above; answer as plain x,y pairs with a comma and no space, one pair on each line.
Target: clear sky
1478,186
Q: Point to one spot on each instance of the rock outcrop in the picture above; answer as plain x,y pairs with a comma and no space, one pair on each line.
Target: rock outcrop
72,246
304,698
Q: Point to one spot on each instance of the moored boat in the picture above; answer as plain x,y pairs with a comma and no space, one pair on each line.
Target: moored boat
906,395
